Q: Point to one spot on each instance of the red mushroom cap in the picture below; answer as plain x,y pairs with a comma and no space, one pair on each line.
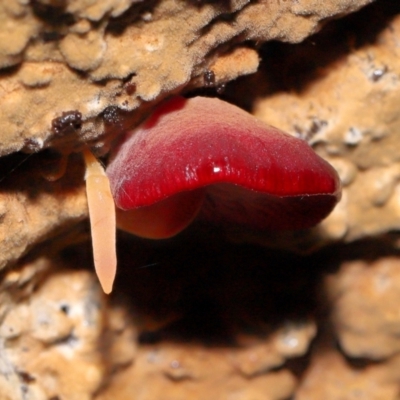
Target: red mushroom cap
205,155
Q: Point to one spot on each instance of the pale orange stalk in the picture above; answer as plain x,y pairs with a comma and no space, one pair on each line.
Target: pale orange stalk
102,221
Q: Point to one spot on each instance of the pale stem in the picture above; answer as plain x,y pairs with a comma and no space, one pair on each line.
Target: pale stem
102,221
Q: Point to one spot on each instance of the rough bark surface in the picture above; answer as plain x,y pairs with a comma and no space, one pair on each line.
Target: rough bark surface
203,313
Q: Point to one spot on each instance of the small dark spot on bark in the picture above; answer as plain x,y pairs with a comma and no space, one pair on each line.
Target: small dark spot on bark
209,78
130,88
69,122
65,309
26,377
111,116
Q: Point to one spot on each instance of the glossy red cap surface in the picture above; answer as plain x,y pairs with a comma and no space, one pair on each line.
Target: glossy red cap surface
252,173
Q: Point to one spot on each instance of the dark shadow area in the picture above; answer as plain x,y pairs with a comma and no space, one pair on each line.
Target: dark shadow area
200,287
330,258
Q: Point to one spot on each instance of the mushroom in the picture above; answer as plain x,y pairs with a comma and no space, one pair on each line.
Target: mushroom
205,158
